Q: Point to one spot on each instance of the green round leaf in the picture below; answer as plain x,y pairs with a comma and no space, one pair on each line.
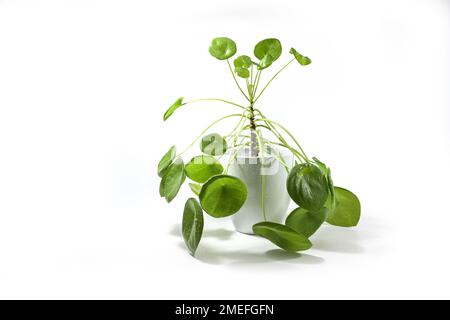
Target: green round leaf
213,144
222,48
306,222
195,188
172,108
307,186
267,51
347,211
201,168
172,180
192,226
243,62
304,61
243,73
223,195
282,236
166,161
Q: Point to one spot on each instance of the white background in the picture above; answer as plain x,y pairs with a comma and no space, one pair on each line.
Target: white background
84,84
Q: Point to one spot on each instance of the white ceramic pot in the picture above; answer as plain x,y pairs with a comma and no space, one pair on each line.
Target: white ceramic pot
253,171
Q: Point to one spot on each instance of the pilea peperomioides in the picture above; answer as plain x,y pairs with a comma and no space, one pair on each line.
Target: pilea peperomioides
221,194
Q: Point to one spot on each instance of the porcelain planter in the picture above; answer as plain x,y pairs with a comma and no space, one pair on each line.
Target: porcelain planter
253,171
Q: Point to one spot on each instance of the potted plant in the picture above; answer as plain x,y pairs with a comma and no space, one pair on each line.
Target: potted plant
265,165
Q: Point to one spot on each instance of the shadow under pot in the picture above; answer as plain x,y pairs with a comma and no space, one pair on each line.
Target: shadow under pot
265,177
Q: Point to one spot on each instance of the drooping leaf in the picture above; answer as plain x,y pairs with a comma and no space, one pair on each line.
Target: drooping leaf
192,226
166,161
223,195
306,222
172,180
201,168
303,60
327,173
267,51
195,188
222,48
283,236
322,166
172,108
213,144
307,186
331,190
347,211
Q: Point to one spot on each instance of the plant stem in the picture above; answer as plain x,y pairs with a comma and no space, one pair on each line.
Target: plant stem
207,128
280,137
257,78
253,135
263,178
277,155
295,152
235,80
239,123
287,131
276,74
237,134
216,99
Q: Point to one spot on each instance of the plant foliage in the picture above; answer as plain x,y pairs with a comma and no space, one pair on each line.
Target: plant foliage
219,194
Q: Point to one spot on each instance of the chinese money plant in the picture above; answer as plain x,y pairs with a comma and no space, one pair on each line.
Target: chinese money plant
219,194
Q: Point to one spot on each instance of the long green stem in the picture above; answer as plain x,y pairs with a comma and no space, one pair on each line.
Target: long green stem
238,132
295,152
207,128
272,129
279,157
216,99
263,176
251,75
235,80
234,156
280,137
257,78
239,123
270,81
289,134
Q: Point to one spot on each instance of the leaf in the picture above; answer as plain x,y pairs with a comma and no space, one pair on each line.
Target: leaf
267,51
192,226
307,186
327,172
243,73
303,60
331,189
172,180
243,62
222,48
242,65
172,108
201,168
282,236
347,211
195,188
223,195
322,166
166,161
213,144
306,222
